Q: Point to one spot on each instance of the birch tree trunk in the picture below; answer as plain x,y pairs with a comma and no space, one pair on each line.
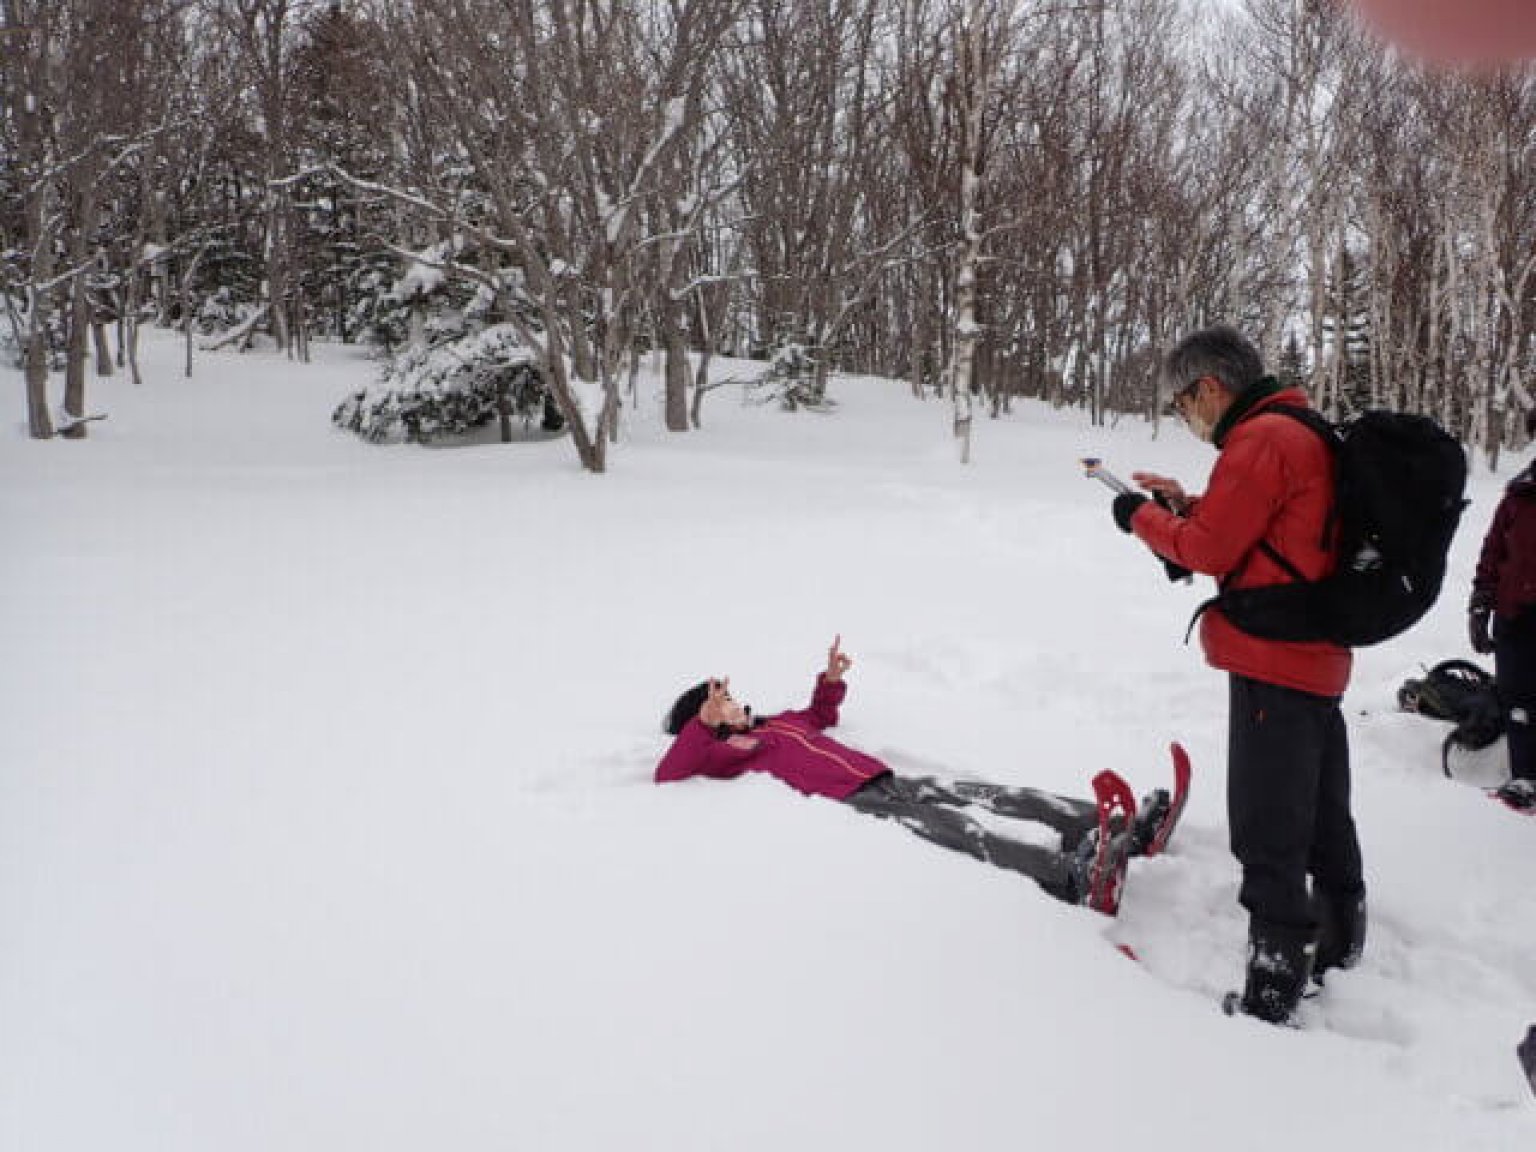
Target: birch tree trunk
972,81
26,82
39,422
79,310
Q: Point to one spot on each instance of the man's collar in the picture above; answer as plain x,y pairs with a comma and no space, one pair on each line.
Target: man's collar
1242,405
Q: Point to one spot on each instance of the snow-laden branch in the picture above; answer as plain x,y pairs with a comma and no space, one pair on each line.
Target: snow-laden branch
336,170
622,214
717,278
239,331
64,277
415,200
452,267
134,145
875,262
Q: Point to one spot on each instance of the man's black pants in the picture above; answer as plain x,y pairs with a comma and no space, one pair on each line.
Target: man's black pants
1515,667
1288,801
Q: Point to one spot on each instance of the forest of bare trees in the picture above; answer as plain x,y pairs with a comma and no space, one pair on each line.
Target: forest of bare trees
989,199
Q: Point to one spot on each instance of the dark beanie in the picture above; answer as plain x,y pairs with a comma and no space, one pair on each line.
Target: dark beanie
687,707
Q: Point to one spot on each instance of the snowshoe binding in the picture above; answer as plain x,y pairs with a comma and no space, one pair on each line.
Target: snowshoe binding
1099,864
1159,813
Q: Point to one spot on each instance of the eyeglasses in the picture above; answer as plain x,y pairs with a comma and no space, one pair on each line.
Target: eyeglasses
1179,403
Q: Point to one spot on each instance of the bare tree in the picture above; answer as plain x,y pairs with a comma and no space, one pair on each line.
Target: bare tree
992,196
264,36
979,31
79,100
802,91
570,115
32,88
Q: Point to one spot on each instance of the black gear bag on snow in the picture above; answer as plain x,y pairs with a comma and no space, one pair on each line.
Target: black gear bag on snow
1464,694
1398,496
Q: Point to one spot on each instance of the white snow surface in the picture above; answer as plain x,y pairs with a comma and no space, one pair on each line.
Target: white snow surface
327,821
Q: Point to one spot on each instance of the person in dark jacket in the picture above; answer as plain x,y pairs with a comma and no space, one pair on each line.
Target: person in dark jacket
1501,620
1288,803
719,737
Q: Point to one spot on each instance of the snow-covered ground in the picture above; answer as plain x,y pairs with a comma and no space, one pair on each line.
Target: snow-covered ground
326,818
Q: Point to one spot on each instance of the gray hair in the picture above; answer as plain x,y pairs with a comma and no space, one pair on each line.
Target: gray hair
1221,352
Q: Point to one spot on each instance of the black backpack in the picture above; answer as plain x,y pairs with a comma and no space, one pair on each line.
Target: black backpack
1398,485
1464,694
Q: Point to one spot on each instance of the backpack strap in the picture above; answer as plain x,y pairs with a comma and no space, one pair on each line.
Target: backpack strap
1325,431
1313,419
1273,553
1194,619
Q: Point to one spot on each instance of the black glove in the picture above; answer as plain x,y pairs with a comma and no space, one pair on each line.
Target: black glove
1176,572
1124,508
1478,632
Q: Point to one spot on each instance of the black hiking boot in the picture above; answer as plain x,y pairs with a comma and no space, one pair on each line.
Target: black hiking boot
1341,925
1279,963
1519,794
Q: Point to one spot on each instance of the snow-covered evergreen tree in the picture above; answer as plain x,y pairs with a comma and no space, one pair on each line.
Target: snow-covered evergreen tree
456,361
1348,325
1291,369
792,380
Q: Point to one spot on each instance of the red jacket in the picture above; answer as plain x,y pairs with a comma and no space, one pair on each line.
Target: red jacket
1506,569
1273,481
790,746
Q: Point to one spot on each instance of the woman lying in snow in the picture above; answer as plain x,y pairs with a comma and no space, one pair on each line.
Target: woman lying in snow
719,737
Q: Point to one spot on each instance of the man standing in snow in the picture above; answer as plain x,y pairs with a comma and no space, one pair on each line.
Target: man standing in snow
1501,621
1266,506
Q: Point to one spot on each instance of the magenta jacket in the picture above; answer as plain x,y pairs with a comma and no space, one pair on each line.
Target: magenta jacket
791,746
1506,569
